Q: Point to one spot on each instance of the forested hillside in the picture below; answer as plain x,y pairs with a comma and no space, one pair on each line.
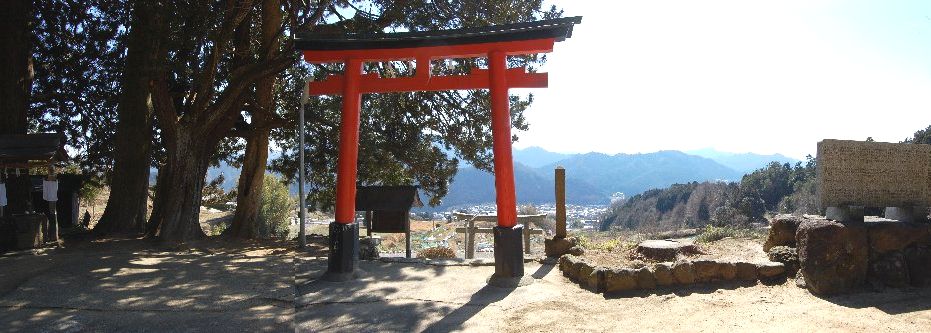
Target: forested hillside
778,187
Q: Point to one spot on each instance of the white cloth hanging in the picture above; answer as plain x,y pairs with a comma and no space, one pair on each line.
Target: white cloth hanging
50,190
3,201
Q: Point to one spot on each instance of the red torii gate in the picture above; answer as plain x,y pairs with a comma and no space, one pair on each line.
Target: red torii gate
493,42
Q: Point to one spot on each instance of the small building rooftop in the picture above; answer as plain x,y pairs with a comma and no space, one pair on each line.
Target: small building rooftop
24,148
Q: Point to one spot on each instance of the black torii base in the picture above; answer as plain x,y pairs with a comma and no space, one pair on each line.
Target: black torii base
344,252
509,258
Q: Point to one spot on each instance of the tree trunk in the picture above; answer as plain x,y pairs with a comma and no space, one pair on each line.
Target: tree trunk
15,85
151,228
15,65
176,213
249,190
251,179
129,186
191,130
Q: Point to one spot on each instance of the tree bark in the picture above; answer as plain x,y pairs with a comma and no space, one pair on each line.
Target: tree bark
16,69
252,176
176,212
191,131
129,185
249,190
15,86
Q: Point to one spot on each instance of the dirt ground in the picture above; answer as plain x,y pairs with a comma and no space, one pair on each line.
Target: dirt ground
727,249
415,297
212,286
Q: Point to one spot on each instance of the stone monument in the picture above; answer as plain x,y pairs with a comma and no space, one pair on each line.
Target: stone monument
854,174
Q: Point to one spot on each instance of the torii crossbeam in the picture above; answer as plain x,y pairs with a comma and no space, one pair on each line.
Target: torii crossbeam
493,42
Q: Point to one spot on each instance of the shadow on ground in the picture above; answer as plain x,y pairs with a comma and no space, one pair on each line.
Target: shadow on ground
134,285
479,301
401,297
364,303
891,301
131,285
682,291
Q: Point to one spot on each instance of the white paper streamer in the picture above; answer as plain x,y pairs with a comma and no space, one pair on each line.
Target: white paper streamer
50,190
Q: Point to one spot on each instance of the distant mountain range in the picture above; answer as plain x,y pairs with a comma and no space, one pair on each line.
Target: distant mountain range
473,186
743,163
591,178
536,157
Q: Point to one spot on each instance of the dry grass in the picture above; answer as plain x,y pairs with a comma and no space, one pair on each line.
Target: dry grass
438,252
617,249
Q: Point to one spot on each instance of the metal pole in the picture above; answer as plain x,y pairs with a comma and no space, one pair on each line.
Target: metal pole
302,210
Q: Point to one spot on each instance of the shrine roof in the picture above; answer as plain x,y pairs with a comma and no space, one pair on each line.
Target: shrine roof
391,198
32,147
557,29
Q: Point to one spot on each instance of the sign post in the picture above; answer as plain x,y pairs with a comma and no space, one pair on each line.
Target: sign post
302,203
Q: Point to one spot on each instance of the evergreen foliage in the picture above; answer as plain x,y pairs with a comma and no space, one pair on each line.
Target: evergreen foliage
775,188
275,212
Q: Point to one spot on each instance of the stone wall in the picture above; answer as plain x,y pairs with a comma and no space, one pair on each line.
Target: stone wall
617,279
838,257
874,174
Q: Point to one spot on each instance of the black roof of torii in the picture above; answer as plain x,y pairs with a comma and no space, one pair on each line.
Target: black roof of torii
559,29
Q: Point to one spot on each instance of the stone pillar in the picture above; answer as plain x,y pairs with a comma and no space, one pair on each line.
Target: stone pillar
907,214
560,202
344,252
559,244
845,213
470,239
527,238
509,259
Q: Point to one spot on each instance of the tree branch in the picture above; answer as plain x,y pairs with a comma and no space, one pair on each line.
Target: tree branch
165,110
240,79
237,11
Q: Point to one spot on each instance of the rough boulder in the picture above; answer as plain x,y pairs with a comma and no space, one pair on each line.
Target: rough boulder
782,231
833,256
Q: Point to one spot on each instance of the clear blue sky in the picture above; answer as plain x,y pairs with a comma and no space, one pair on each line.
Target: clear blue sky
739,76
